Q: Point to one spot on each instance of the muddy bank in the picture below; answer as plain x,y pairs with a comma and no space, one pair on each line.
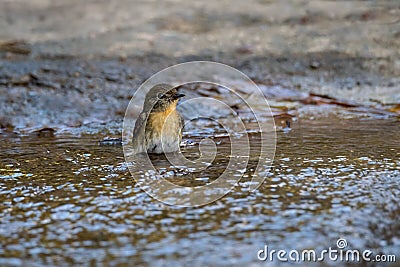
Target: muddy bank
76,65
68,93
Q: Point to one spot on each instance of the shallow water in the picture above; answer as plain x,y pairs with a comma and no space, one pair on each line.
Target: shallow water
65,200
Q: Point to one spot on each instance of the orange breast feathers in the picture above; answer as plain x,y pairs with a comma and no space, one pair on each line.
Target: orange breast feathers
167,121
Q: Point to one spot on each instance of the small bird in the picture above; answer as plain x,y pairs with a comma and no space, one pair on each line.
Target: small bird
158,128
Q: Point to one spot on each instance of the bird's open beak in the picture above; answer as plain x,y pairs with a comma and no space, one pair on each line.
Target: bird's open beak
177,96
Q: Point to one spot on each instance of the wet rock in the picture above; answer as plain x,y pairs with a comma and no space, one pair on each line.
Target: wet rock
111,142
16,47
315,64
45,132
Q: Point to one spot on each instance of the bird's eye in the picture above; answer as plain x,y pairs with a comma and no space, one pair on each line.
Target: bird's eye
160,95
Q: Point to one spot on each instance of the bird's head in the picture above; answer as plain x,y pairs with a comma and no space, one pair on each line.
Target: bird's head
161,97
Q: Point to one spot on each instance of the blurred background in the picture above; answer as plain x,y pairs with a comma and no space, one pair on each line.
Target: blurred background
177,28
